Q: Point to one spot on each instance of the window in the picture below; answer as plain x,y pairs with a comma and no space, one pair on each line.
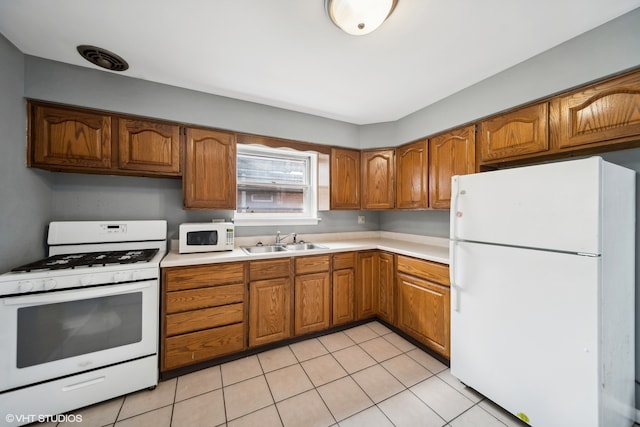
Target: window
276,186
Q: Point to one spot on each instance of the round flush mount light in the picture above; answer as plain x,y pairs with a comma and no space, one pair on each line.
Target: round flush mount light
359,17
102,58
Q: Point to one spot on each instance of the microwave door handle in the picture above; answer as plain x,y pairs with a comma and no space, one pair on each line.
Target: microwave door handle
74,294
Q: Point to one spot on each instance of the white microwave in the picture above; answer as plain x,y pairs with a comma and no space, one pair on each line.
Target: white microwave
205,237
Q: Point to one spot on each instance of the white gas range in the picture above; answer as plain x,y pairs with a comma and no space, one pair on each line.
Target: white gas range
81,326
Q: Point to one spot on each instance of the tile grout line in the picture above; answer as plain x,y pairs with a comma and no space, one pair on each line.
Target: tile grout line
264,374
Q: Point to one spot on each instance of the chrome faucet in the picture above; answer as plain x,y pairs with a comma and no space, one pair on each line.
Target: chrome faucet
279,237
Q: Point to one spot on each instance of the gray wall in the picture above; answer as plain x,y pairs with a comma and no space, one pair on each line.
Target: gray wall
25,195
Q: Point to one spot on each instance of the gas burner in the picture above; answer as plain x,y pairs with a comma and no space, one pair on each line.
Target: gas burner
90,259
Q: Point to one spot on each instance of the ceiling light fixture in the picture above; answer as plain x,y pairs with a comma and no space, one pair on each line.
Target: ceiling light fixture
359,17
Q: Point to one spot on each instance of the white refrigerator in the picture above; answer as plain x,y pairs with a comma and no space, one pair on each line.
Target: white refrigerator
542,291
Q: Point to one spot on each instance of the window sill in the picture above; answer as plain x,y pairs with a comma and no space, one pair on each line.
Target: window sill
250,222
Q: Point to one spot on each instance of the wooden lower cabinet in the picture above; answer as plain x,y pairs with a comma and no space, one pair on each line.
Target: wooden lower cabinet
386,287
343,288
203,313
367,285
270,301
312,306
424,303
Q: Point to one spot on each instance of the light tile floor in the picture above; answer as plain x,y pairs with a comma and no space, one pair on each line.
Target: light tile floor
364,376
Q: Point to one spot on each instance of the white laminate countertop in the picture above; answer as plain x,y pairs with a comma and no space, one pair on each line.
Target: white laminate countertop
424,247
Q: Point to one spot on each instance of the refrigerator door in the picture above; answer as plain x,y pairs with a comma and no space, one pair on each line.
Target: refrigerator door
553,206
524,331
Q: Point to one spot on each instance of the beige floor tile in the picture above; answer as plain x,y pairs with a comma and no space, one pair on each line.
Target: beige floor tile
378,383
344,398
323,369
353,359
198,382
426,360
240,370
276,359
399,342
100,414
361,333
247,396
379,328
156,418
501,414
405,409
308,349
442,398
287,382
372,417
476,416
266,417
306,409
203,410
406,370
337,341
469,393
380,349
148,400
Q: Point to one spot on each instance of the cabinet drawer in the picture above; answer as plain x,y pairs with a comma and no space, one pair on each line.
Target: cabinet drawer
204,297
312,264
179,278
345,260
260,270
206,318
195,347
428,270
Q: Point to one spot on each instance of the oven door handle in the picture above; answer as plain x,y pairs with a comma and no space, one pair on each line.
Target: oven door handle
77,294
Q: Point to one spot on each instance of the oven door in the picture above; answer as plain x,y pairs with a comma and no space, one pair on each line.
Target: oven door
54,334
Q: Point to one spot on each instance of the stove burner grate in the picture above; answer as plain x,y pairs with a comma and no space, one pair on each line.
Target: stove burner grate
90,259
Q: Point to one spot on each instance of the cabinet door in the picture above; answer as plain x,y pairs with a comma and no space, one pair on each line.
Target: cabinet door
423,312
452,153
209,180
386,287
378,179
312,303
412,171
70,138
149,146
343,296
269,311
345,179
519,133
608,111
367,277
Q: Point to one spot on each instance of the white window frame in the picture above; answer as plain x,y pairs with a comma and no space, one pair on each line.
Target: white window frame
310,214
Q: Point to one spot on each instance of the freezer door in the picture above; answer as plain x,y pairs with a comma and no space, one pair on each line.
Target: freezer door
553,206
524,331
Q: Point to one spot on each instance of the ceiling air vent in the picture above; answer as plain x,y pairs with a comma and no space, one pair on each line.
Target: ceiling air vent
102,58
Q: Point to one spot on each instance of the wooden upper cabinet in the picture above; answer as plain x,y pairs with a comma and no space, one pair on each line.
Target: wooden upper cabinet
607,112
209,180
378,179
345,179
68,138
452,153
519,133
411,176
149,146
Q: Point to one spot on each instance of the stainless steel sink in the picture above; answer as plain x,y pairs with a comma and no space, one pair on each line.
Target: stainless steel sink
263,249
304,246
266,249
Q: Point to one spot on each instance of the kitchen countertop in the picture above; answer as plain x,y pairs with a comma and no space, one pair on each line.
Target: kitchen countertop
424,247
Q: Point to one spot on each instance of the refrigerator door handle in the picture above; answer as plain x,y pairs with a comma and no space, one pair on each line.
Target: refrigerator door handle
455,289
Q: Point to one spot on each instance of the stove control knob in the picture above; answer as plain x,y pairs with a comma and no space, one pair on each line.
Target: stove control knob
25,286
50,284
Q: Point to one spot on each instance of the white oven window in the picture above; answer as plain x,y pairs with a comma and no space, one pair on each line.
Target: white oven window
57,331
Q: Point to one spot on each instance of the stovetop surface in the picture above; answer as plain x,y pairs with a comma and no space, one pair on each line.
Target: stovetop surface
89,259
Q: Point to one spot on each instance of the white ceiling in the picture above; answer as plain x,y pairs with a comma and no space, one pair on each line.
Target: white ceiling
287,53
